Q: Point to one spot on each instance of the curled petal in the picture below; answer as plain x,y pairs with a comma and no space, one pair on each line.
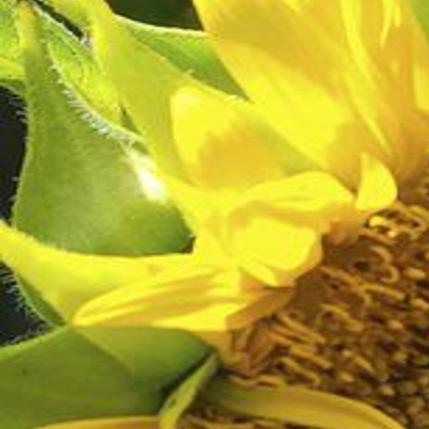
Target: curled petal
274,249
276,228
202,300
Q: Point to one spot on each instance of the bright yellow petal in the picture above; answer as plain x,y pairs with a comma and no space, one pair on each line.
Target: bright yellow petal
377,191
193,202
378,188
392,57
275,249
282,53
223,143
334,79
315,195
66,280
113,423
202,300
275,231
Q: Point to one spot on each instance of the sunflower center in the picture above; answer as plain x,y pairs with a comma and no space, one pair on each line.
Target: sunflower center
357,326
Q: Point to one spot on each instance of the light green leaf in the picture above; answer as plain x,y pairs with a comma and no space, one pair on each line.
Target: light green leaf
71,56
297,405
85,185
65,376
189,50
11,72
178,402
75,61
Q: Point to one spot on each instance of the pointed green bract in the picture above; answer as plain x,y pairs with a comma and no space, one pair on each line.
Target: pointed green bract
188,50
64,279
85,185
66,376
298,406
76,63
136,69
182,398
71,56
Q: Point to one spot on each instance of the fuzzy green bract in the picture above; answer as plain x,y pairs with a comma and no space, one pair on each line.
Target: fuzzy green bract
86,184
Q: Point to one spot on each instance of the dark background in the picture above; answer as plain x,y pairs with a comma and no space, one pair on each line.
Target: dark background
15,320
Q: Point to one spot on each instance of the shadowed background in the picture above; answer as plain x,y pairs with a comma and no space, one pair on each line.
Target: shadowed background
15,322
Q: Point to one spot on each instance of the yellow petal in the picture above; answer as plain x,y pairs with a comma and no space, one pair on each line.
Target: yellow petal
113,423
392,58
223,143
273,247
313,194
275,231
197,206
377,191
298,406
202,300
378,188
66,280
336,85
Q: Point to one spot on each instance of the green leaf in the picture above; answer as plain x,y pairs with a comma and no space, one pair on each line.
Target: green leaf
71,56
75,61
188,50
179,401
298,406
11,72
66,376
85,185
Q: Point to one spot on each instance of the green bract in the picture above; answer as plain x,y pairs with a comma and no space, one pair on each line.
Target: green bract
92,373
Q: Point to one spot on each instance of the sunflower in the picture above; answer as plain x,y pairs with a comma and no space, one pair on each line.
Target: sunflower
307,197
